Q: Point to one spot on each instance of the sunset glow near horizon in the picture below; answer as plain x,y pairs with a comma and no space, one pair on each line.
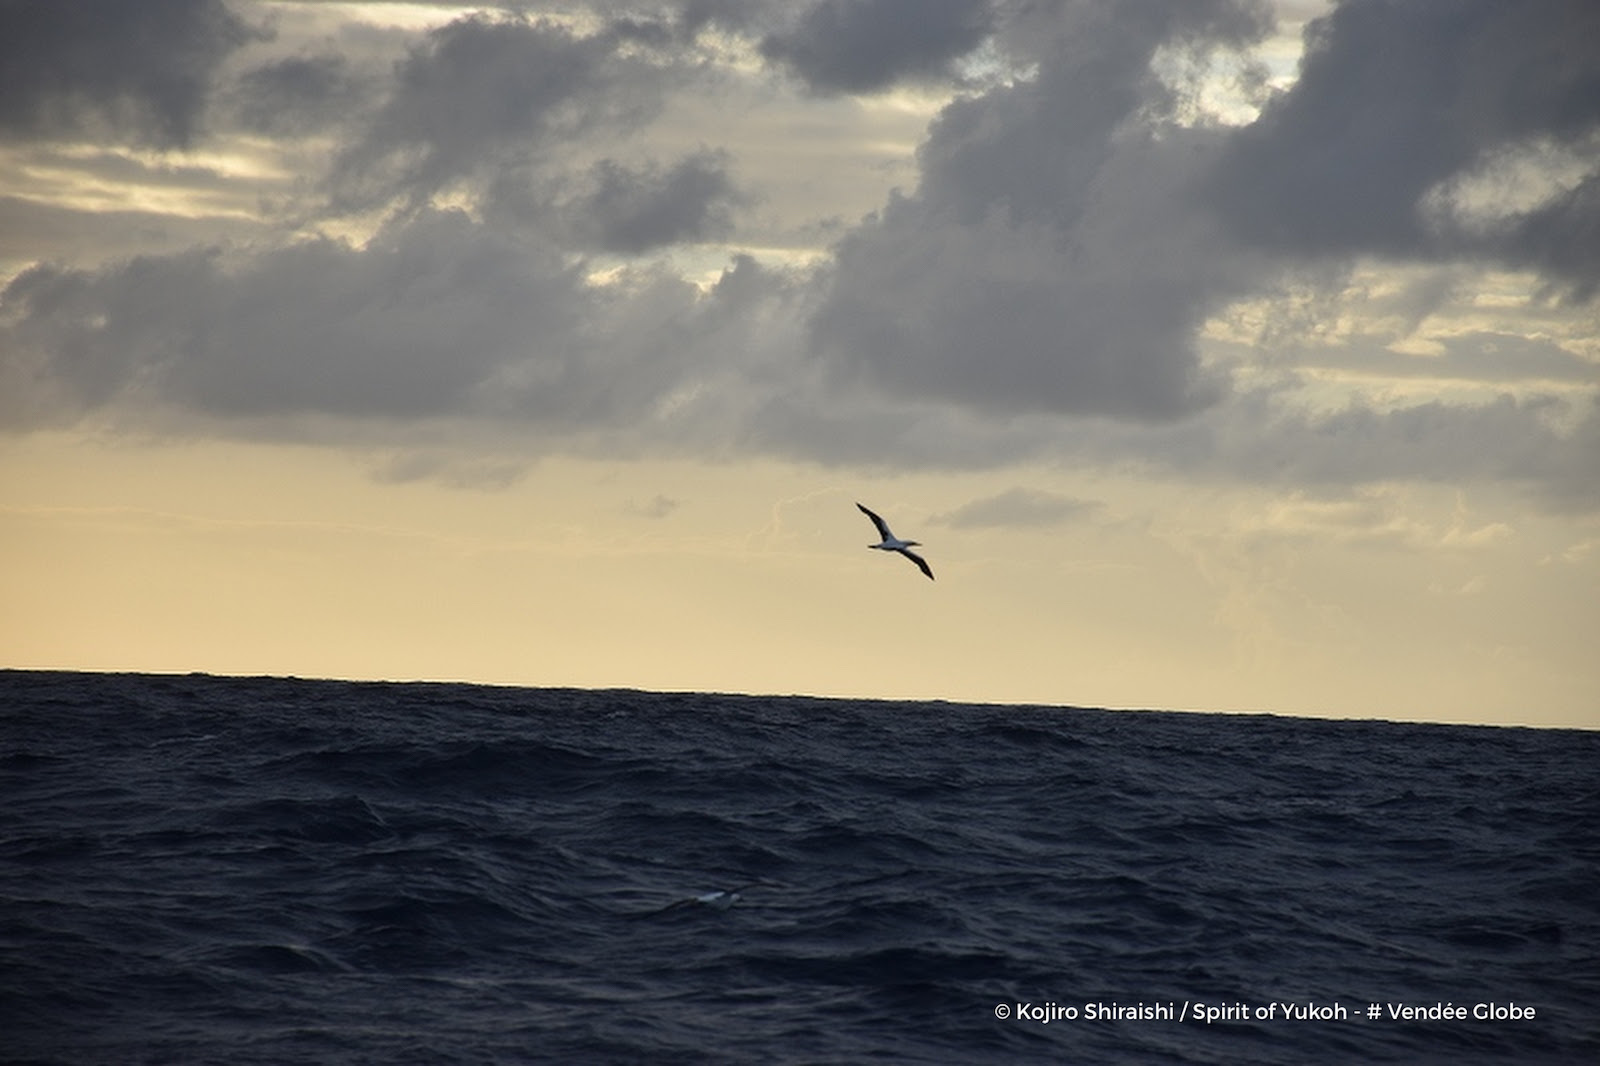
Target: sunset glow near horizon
555,344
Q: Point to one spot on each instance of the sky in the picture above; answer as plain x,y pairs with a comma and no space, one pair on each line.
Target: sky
1224,355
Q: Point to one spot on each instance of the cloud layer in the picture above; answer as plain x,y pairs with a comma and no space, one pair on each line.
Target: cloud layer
494,220
140,71
851,46
1396,105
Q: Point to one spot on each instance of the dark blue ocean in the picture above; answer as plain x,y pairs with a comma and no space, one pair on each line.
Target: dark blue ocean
254,870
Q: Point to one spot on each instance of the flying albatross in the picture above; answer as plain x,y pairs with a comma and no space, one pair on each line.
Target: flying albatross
892,543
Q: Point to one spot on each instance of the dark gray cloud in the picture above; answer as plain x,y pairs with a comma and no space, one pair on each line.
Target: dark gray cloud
1007,321
635,209
1051,259
298,95
142,70
1394,100
862,46
438,317
408,326
619,207
1560,238
1034,148
480,92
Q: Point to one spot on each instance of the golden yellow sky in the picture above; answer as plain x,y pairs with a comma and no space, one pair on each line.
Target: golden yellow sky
250,559
548,348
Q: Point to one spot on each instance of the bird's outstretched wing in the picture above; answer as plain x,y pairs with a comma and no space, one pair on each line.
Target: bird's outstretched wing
883,527
922,564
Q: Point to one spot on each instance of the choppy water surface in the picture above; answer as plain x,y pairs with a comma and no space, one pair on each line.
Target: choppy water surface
200,869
